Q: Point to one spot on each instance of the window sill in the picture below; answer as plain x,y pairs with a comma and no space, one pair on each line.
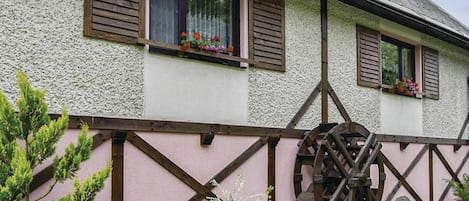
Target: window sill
392,90
172,47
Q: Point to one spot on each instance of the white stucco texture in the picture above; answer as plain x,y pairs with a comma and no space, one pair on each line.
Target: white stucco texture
88,76
189,90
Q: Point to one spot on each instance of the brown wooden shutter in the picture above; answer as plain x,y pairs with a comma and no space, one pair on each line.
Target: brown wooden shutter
368,57
116,20
430,73
267,33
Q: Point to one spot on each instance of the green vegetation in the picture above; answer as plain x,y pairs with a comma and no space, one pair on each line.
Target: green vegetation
461,190
32,127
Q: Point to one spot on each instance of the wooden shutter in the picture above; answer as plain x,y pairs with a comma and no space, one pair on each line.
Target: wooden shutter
117,20
430,73
267,33
368,61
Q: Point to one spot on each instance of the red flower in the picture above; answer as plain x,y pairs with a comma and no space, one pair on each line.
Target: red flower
230,49
201,46
186,46
183,35
196,35
216,38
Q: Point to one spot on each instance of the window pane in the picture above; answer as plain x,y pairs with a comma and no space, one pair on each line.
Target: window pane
389,62
164,21
210,18
408,62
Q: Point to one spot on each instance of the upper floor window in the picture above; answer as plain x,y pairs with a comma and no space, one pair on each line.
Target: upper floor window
397,61
211,19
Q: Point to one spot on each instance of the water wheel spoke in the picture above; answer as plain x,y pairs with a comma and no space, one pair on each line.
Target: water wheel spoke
343,150
336,160
338,191
370,141
371,194
372,158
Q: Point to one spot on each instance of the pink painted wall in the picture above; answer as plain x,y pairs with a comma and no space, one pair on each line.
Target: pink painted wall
144,179
99,158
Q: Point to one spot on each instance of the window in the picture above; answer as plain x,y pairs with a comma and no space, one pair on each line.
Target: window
210,18
383,61
397,61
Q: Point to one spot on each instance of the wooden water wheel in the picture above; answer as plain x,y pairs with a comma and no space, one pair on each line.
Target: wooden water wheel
341,163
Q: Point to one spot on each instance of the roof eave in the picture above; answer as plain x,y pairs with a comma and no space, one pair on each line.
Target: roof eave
409,20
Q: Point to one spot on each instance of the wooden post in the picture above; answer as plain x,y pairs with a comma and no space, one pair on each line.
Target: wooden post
118,139
273,141
430,170
324,63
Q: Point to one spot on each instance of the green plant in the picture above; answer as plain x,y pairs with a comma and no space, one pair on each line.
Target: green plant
461,190
235,194
32,125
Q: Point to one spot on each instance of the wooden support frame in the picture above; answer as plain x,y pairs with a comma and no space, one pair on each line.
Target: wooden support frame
407,172
118,140
47,173
324,63
430,172
301,112
273,142
401,178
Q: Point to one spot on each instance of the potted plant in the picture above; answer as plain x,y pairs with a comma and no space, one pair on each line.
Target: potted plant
209,44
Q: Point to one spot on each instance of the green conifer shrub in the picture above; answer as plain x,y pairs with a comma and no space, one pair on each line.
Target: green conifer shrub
32,126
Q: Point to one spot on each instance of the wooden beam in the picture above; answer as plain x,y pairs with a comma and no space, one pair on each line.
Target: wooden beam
458,170
117,188
324,63
169,165
403,145
304,108
230,168
402,179
407,172
47,173
206,138
273,141
445,163
337,103
430,172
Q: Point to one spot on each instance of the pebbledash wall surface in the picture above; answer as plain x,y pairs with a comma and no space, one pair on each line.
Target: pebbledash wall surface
101,78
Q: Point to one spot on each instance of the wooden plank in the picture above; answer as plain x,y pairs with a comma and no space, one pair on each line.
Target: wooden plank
464,126
169,165
267,14
123,3
117,16
268,60
115,23
117,186
430,173
458,170
369,75
259,41
339,104
267,20
324,64
114,8
266,8
445,163
401,179
142,18
407,172
301,112
268,49
263,36
266,26
230,168
87,17
114,30
273,33
47,173
273,141
114,37
268,55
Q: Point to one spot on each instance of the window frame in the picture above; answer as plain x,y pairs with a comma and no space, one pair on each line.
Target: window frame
171,49
400,45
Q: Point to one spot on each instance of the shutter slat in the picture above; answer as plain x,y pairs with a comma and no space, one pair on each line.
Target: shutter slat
368,57
267,34
430,73
116,20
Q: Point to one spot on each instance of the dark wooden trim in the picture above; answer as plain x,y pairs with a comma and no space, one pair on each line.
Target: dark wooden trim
47,173
407,172
403,145
230,168
430,172
324,64
464,126
401,178
304,108
168,46
142,19
458,170
117,186
167,164
273,141
410,138
338,103
206,138
87,17
445,163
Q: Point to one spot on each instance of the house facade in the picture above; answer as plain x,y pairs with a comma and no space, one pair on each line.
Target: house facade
124,60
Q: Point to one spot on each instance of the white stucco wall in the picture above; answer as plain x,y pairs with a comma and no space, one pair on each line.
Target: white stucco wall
89,76
190,90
